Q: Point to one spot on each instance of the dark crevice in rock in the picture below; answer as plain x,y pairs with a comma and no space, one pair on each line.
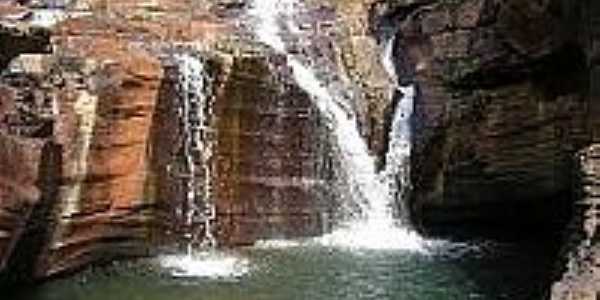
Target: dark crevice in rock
24,262
385,15
14,42
560,72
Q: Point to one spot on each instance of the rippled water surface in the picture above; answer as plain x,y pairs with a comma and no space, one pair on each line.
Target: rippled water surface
290,271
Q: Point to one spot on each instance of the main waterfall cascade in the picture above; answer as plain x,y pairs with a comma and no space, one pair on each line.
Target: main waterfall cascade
373,191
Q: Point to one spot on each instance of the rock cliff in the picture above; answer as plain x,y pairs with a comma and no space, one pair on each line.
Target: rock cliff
91,129
505,119
502,105
74,133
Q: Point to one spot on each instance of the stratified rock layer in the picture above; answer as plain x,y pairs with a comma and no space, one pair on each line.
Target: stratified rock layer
90,207
271,162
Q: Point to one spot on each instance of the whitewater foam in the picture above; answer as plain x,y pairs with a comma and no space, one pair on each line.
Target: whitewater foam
205,264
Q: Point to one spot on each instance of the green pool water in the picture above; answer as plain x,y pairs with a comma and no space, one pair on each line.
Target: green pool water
474,270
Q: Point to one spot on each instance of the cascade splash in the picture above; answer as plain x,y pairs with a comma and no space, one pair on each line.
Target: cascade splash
373,191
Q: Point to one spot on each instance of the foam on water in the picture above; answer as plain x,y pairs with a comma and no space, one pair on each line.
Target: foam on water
374,236
205,264
278,244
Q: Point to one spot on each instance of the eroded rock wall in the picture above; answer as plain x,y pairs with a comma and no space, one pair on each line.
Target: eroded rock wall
272,158
501,107
99,100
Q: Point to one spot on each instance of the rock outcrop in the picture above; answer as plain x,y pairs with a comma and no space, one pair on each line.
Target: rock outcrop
499,113
272,176
580,277
80,159
507,119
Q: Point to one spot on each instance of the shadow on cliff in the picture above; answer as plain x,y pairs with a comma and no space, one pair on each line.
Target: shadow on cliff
24,265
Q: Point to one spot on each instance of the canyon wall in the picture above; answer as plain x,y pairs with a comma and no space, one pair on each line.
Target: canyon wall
91,130
502,106
74,133
507,120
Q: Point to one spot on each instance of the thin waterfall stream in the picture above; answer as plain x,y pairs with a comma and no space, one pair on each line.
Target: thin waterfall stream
193,166
195,149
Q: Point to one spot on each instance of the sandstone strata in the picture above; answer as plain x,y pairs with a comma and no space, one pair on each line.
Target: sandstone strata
98,99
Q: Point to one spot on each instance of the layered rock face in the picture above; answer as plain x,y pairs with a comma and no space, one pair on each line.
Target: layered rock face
103,127
74,131
269,167
502,105
98,131
272,165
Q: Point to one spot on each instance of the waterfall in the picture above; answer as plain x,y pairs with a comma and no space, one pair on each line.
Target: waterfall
192,165
373,191
397,167
195,150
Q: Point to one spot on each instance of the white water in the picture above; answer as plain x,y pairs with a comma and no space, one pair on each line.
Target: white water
207,264
374,192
